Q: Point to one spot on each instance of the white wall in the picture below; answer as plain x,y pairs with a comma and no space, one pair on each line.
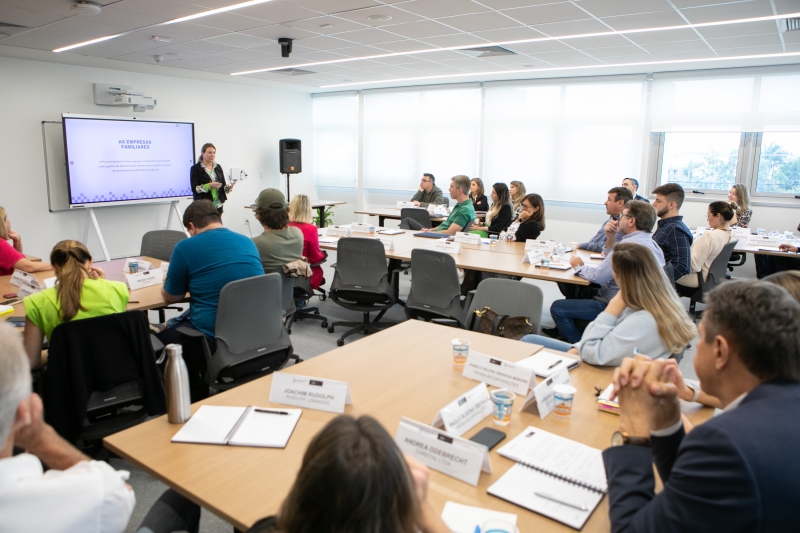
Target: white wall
244,122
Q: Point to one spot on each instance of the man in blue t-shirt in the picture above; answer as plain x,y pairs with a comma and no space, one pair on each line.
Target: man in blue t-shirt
202,265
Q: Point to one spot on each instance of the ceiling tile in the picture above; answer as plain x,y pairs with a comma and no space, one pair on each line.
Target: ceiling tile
510,4
202,62
784,7
539,47
55,7
159,8
224,69
678,46
239,40
323,43
231,22
579,27
740,10
679,56
733,30
663,36
645,20
560,56
461,39
205,47
606,8
329,6
444,55
629,59
82,28
479,22
406,60
276,31
139,57
442,8
793,48
746,40
359,51
583,62
362,16
748,51
421,29
245,55
26,17
602,41
406,46
370,36
680,4
508,34
614,51
546,14
792,37
127,19
315,25
183,29
320,55
277,12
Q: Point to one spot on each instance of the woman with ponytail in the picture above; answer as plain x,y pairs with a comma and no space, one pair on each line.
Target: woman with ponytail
81,292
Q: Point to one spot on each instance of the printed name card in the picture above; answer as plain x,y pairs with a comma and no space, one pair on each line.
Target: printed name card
388,244
461,415
467,238
451,455
699,230
148,278
360,227
497,372
164,266
543,395
741,232
533,256
405,204
440,210
338,231
546,246
20,278
446,246
49,283
141,265
26,289
765,240
314,393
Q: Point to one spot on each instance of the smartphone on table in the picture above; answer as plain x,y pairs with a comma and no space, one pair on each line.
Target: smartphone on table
489,437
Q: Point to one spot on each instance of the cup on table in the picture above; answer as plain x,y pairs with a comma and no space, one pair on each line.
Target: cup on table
498,526
546,263
564,394
761,231
574,246
460,352
788,235
502,400
492,240
133,267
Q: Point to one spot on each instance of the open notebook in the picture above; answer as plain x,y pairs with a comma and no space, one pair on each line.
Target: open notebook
240,426
556,477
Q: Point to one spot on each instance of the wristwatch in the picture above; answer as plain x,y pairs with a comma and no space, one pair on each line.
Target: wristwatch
620,438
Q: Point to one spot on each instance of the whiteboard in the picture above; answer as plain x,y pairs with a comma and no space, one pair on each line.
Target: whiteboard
55,166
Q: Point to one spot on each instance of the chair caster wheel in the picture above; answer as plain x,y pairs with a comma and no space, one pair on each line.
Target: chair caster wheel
289,331
324,325
339,342
330,329
316,312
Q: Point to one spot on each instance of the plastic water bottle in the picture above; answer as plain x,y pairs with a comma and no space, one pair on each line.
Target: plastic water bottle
179,402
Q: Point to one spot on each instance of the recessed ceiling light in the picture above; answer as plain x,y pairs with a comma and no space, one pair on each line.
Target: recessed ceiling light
85,8
379,18
326,25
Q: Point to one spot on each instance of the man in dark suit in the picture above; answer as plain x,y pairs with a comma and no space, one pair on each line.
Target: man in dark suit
739,471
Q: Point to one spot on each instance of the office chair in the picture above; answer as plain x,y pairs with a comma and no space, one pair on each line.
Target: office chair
669,270
415,213
507,297
287,298
716,275
435,289
159,244
99,370
303,294
250,338
362,283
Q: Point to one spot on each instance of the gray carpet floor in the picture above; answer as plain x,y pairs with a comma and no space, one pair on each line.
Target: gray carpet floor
310,340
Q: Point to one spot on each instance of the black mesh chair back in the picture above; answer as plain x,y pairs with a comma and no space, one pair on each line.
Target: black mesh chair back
435,289
446,202
287,296
160,243
361,269
469,227
415,213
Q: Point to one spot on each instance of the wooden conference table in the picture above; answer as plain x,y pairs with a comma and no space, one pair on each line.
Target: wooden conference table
392,213
503,258
389,377
319,206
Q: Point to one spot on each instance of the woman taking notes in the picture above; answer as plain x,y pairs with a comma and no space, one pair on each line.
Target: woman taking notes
645,315
707,246
499,216
11,256
517,190
81,292
479,201
300,216
208,179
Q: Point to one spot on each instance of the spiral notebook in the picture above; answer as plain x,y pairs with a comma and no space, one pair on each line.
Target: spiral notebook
240,426
556,477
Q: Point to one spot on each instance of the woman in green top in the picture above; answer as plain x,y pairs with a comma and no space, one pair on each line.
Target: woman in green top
208,179
81,292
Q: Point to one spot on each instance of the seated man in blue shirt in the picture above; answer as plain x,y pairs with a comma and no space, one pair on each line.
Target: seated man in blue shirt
635,225
615,203
202,265
672,235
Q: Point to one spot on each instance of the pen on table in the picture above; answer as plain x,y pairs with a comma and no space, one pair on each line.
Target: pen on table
557,500
270,411
554,364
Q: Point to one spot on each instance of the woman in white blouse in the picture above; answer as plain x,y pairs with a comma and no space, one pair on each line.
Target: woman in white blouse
707,246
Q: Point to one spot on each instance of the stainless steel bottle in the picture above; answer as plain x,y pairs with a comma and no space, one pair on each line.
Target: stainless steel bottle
179,403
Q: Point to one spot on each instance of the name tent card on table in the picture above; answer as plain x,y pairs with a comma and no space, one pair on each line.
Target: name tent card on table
543,395
148,278
467,238
142,265
446,246
498,373
440,210
360,227
765,240
306,391
26,289
451,455
405,204
741,232
388,244
461,415
20,278
338,231
546,246
533,256
49,283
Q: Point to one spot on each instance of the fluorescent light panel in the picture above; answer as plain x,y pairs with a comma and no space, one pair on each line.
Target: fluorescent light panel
520,41
551,69
173,21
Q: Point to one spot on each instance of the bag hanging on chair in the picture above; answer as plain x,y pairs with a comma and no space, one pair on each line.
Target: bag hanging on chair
509,327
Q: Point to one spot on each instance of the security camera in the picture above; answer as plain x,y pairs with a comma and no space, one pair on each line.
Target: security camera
286,46
158,58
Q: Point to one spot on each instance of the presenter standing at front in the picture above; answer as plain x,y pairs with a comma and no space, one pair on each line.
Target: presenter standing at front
208,179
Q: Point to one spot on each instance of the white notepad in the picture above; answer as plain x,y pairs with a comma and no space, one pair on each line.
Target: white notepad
240,426
554,476
391,231
545,362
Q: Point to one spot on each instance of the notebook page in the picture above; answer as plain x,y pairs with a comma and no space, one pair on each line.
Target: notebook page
465,518
266,429
209,425
565,457
545,362
520,484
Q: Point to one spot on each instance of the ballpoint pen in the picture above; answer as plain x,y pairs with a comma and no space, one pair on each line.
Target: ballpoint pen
554,364
270,411
557,500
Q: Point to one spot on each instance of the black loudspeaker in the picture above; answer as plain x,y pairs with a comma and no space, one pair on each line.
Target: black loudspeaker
291,161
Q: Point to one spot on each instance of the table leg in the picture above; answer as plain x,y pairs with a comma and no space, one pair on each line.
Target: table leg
381,220
321,211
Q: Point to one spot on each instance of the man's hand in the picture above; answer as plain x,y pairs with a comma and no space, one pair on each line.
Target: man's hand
611,228
576,262
30,434
647,400
781,247
416,202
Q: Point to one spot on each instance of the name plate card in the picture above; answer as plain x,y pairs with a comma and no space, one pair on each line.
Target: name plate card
543,395
467,238
405,204
454,456
338,231
446,246
164,266
314,393
360,227
388,244
26,289
759,241
546,246
741,232
148,278
498,373
461,415
20,278
49,283
142,265
533,256
440,210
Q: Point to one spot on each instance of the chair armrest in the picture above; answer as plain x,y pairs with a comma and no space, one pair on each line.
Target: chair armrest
193,333
468,301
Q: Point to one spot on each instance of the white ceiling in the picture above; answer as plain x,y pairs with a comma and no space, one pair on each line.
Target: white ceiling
246,39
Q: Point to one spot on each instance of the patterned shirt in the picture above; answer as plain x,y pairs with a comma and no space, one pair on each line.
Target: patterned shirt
743,219
601,275
675,240
598,242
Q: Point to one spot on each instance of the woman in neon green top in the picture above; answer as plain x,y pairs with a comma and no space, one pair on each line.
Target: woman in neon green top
81,292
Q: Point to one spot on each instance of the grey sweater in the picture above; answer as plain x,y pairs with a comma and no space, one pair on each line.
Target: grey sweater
424,198
608,339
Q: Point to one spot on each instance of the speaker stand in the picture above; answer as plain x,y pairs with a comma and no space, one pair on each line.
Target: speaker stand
288,196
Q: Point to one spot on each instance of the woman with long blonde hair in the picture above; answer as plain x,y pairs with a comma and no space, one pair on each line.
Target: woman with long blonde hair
81,292
11,256
518,192
300,216
646,314
739,199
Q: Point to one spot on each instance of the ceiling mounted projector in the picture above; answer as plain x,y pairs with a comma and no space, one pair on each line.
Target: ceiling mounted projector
122,95
85,8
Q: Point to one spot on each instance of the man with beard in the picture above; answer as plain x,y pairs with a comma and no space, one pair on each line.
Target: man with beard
672,235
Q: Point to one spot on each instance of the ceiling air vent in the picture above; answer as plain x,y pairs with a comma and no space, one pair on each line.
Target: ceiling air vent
292,72
489,51
6,29
786,25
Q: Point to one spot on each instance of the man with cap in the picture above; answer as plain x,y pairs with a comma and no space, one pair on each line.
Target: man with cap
280,243
202,265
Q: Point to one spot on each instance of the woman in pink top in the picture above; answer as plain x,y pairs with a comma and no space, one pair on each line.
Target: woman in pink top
11,255
300,215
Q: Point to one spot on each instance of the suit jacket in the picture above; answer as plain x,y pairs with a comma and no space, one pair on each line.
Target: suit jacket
738,472
199,176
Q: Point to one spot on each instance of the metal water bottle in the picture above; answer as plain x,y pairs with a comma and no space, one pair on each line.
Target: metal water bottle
179,402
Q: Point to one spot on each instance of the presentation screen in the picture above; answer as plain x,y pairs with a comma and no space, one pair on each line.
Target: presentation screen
112,161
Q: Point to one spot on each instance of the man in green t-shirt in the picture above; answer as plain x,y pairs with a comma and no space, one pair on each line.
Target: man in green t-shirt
462,215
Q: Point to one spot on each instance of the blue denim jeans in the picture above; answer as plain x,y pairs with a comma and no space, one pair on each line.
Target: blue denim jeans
565,312
547,342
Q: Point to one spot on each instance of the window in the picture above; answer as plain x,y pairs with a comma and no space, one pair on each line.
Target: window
700,161
336,141
779,164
